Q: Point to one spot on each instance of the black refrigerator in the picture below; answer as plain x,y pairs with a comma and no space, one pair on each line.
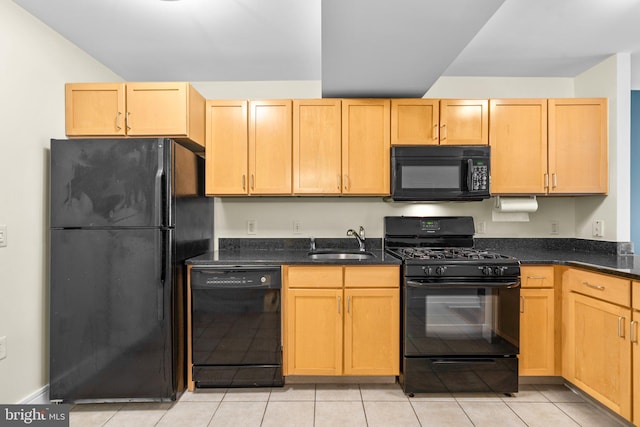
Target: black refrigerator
124,215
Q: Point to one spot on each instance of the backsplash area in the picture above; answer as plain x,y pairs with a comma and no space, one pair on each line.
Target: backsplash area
331,217
561,244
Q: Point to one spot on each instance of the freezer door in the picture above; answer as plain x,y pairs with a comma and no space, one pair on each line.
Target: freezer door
110,183
112,315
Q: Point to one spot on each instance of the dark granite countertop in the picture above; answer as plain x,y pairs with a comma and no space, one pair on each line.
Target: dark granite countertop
605,257
280,257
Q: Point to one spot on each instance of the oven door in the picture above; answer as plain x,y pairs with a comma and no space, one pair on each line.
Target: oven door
461,318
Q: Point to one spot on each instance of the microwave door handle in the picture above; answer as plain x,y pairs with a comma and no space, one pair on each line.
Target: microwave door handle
469,174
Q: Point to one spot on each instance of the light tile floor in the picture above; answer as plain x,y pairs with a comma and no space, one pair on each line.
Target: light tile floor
335,405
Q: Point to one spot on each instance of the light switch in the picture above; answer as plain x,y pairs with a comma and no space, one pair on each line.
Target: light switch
3,236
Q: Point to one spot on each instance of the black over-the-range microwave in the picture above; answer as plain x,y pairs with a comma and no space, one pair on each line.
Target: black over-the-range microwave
438,173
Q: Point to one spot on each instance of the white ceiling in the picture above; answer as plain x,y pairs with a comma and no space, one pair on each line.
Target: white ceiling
355,47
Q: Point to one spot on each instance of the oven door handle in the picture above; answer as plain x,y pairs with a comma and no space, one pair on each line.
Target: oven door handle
454,284
453,361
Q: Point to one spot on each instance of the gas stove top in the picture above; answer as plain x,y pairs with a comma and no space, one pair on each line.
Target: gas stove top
441,247
455,254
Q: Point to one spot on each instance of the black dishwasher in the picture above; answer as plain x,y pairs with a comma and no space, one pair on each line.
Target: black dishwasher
236,326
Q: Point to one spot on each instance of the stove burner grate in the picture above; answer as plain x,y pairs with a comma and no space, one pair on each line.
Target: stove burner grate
448,254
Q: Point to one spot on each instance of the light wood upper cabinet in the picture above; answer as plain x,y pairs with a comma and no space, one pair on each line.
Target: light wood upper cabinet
415,121
365,146
172,109
554,146
578,146
227,148
270,147
317,146
518,140
425,121
464,122
95,109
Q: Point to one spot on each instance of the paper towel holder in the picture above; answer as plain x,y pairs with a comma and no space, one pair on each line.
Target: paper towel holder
497,200
498,205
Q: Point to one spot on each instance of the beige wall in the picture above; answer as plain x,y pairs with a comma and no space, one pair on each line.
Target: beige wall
35,62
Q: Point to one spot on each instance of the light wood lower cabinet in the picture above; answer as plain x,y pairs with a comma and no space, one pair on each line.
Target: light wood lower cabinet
596,344
634,337
537,321
336,324
537,338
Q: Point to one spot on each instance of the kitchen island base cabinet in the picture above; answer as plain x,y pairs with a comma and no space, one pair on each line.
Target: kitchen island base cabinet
341,320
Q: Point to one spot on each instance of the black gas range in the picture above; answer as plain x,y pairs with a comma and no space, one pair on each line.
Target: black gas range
460,307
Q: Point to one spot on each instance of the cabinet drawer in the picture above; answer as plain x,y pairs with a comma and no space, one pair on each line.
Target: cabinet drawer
602,286
379,276
314,277
536,276
635,295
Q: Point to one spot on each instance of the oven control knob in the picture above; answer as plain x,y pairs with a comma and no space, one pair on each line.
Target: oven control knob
263,279
427,271
487,271
499,271
440,270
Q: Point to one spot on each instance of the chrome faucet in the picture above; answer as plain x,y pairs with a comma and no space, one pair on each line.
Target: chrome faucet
359,237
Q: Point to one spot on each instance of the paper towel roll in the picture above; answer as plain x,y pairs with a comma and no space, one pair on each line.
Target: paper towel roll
516,204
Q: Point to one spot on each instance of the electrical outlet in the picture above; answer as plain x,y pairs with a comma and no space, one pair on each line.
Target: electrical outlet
598,228
3,236
555,227
297,226
3,347
252,226
481,227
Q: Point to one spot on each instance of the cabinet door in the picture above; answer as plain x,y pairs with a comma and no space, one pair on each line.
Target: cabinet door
270,147
226,148
372,332
464,122
157,109
365,146
635,330
578,146
415,121
314,332
94,109
317,141
537,339
599,351
518,140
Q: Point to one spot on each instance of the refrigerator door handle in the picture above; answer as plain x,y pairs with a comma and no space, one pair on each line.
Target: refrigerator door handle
163,273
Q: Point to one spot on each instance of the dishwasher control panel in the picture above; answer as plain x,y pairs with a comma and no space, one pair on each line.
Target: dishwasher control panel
236,277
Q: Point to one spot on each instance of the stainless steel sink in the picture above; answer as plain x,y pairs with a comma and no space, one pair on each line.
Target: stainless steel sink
338,254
